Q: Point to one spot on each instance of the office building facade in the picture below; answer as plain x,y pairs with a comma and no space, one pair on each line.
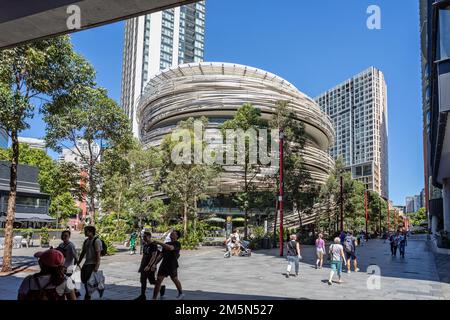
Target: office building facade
33,143
435,43
156,42
217,90
75,155
358,109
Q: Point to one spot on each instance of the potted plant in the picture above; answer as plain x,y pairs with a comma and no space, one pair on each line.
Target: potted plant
45,238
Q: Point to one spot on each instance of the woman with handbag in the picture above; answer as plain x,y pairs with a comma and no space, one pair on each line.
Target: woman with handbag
337,256
320,251
293,255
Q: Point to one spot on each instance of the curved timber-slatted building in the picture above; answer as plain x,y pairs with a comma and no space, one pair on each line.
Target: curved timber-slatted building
216,91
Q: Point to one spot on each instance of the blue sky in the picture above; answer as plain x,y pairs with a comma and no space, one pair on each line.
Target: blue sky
312,44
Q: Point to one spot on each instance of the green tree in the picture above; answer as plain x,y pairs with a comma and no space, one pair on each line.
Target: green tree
246,118
418,217
187,182
128,176
32,75
299,190
89,115
63,206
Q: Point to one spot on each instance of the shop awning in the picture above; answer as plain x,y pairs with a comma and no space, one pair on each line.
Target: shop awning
30,217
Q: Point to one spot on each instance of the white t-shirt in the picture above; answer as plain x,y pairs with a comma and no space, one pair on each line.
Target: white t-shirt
335,251
168,239
28,283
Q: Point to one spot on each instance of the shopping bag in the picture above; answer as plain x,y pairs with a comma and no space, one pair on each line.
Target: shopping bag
96,283
76,278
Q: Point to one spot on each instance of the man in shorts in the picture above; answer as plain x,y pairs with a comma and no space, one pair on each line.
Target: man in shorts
350,243
91,249
169,264
151,257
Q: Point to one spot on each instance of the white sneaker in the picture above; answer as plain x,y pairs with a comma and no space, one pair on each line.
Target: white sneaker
357,269
348,271
180,296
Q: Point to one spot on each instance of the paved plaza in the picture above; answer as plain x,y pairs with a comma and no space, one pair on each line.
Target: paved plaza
206,274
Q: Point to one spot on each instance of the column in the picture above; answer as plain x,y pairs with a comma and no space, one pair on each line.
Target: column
446,200
434,224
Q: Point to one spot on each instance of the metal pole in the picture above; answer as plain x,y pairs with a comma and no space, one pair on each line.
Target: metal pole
281,200
366,211
342,202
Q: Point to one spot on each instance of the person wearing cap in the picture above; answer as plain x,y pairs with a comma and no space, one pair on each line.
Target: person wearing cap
50,283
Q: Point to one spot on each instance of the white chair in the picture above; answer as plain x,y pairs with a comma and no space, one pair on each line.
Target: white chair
17,242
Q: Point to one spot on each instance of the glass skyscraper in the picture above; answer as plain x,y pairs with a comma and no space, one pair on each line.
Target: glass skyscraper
155,42
358,109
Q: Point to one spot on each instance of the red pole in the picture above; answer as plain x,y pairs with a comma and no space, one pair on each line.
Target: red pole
281,200
367,214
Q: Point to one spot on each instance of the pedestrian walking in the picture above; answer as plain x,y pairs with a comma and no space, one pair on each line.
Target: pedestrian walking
50,283
92,249
342,236
320,251
293,255
393,241
133,240
150,258
362,238
350,244
402,243
69,251
337,256
169,265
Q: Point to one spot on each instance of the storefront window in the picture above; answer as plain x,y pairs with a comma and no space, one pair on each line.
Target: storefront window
444,33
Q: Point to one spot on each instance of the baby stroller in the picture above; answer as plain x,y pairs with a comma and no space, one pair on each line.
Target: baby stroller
242,251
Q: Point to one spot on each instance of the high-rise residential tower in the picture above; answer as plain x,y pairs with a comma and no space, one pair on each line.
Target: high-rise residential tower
358,109
435,44
156,42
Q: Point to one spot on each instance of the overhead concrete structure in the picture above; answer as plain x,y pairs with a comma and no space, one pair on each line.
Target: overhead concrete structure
26,20
217,91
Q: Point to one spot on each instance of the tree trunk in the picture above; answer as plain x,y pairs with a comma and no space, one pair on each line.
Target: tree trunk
299,215
119,203
185,219
7,251
91,196
195,213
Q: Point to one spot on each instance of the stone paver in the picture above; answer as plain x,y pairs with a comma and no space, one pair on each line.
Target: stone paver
205,274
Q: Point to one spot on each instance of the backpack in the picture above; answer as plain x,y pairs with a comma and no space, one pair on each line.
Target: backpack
348,244
62,249
42,294
104,250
